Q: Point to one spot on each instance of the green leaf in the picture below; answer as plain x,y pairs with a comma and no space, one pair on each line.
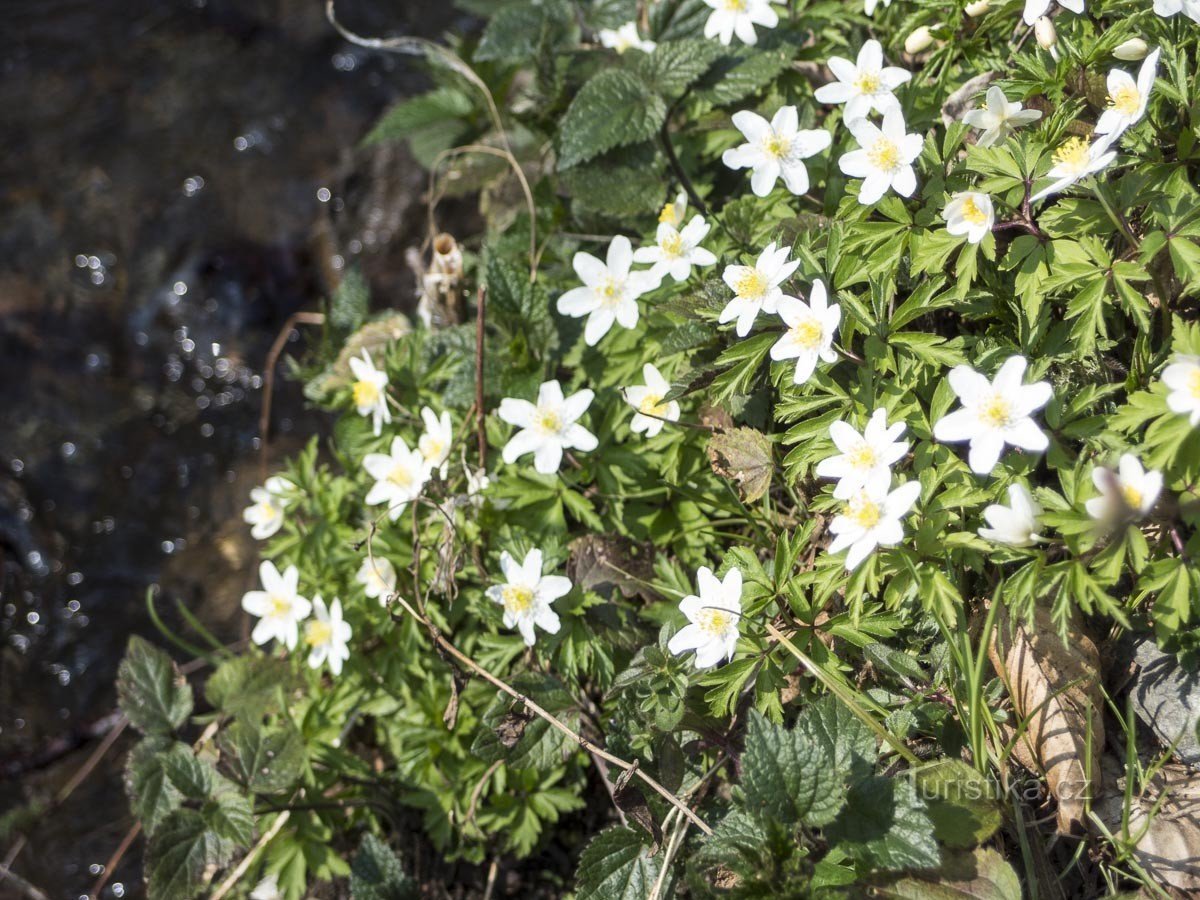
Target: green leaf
348,305
624,182
192,776
962,803
520,738
787,777
614,108
179,854
151,690
884,825
378,874
151,793
737,75
264,760
846,742
674,65
615,866
248,686
436,107
518,31
229,814
978,875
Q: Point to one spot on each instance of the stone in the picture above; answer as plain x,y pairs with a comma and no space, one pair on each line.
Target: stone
1166,697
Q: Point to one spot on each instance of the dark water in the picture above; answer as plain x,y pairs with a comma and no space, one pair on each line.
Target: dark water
176,178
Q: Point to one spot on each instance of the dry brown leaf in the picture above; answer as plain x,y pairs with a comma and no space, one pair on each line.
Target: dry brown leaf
1055,687
601,563
743,455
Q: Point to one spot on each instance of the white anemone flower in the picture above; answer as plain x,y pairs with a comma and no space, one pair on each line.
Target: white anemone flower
863,85
625,38
757,287
327,635
647,399
1076,159
870,519
866,459
1015,525
994,413
884,158
1035,9
1127,98
1168,8
999,117
399,477
673,212
730,17
1183,378
610,291
870,5
267,505
1130,492
377,575
675,251
279,606
811,329
970,213
435,442
526,595
713,618
370,392
775,149
548,427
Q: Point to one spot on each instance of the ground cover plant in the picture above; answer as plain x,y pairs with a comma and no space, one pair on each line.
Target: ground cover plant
741,510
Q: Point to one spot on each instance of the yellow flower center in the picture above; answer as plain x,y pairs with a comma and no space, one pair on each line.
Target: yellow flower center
653,405
548,420
611,291
366,393
863,512
996,412
862,456
776,147
1133,497
808,333
972,213
867,82
318,633
1072,154
668,214
266,510
517,598
281,607
1126,100
751,285
735,6
401,476
714,622
1193,385
431,447
672,244
884,155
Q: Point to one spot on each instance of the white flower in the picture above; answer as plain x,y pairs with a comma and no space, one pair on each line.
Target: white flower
1047,37
434,443
871,519
267,889
994,413
1183,378
1131,50
978,8
675,251
672,213
730,17
775,149
970,213
869,5
1035,9
477,484
1127,98
267,506
399,477
370,394
1015,525
647,399
757,287
866,459
377,575
278,605
998,118
1168,8
1130,491
811,327
526,595
610,291
327,635
547,428
1075,159
625,38
865,85
918,40
884,159
713,618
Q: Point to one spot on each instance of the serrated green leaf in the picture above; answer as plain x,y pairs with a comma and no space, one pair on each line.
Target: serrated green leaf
180,853
517,31
978,875
378,874
248,686
614,108
521,739
885,825
616,865
151,690
787,777
674,65
264,760
151,793
962,803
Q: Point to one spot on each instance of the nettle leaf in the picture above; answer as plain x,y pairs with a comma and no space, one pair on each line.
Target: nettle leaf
616,866
180,855
192,776
614,108
248,686
516,32
525,741
738,75
151,690
674,65
788,777
979,875
229,814
626,181
151,794
378,874
432,108
264,760
744,456
846,741
962,803
885,825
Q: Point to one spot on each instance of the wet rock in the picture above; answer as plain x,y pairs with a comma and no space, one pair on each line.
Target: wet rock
1166,697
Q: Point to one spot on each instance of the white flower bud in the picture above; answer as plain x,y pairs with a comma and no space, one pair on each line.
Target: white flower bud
920,39
1043,30
978,8
1132,50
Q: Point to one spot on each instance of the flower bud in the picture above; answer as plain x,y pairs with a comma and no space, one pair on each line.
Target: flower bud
978,8
1047,37
920,39
1132,50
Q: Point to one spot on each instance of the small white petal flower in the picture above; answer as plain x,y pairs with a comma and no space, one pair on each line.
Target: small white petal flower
648,399
1036,9
327,635
268,503
970,213
994,413
730,17
435,442
918,40
370,391
399,477
870,5
526,595
1130,492
757,287
548,427
279,606
625,38
863,85
610,291
477,484
377,575
1076,159
998,118
675,251
866,459
1047,37
267,889
1127,98
1131,50
884,158
1183,378
811,329
871,519
978,8
1168,8
713,618
775,149
1016,524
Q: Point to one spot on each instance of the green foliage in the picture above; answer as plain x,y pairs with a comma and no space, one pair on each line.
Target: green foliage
616,865
377,874
152,692
614,108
